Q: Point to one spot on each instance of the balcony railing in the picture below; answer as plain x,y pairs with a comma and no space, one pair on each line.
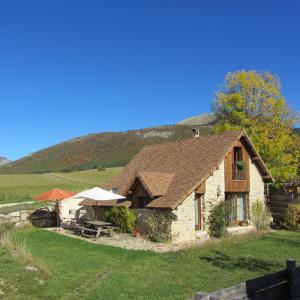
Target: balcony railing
238,172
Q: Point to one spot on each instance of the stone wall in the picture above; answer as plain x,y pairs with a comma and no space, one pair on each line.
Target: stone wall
157,218
141,213
183,229
16,216
215,192
257,186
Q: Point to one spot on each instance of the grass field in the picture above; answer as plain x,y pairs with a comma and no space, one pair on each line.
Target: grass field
81,270
19,188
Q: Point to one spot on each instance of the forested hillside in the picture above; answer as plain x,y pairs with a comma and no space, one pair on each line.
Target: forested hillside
108,149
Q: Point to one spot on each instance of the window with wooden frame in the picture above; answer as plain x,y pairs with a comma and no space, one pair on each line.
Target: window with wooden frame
198,210
238,165
237,154
237,207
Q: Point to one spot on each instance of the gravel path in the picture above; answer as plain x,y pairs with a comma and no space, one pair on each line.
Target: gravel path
130,242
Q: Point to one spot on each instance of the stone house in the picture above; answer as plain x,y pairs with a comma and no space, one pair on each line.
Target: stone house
190,176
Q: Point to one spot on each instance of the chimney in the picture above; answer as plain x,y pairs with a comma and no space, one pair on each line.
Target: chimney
196,132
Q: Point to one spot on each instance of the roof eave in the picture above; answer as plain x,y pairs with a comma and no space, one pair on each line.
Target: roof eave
260,160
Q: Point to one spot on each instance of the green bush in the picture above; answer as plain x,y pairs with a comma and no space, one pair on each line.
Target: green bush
101,169
260,216
217,221
121,217
291,220
157,225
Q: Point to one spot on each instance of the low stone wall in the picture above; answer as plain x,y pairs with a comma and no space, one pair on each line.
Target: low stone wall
16,216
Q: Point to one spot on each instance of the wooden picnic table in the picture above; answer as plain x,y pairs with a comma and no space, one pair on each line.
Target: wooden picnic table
97,223
100,226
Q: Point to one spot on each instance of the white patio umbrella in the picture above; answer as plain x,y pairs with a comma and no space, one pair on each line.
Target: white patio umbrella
96,195
99,194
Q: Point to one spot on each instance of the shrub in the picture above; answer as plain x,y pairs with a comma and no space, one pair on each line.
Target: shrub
158,225
217,221
291,220
67,170
101,169
122,217
260,216
6,227
7,241
23,253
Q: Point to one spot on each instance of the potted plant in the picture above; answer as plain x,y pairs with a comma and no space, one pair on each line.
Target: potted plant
241,164
243,223
137,232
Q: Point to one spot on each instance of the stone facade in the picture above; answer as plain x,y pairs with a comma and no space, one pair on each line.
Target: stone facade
215,192
183,229
257,186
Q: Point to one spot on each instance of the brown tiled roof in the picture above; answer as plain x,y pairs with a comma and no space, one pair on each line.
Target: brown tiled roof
90,202
155,183
189,161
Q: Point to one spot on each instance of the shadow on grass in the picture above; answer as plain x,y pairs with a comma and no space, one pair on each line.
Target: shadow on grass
223,261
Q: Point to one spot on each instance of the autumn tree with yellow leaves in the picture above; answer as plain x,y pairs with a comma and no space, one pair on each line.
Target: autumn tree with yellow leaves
253,101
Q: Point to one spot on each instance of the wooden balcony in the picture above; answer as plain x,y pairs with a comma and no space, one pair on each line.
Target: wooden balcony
238,173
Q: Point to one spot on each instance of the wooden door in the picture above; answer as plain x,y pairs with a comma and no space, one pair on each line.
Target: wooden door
198,211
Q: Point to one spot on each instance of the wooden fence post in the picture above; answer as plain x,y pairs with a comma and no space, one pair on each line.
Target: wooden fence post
290,264
293,284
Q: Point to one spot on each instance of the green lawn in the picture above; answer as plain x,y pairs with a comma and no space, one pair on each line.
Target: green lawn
81,270
90,176
19,188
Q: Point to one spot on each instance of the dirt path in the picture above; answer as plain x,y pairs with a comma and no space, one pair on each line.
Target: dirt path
15,204
61,178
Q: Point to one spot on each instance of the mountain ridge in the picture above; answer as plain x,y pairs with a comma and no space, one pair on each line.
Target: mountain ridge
106,149
99,150
4,160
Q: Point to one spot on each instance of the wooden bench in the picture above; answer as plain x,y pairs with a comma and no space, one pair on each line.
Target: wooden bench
84,231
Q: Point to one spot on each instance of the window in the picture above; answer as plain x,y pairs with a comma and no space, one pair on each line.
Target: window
239,165
141,202
238,154
236,207
198,211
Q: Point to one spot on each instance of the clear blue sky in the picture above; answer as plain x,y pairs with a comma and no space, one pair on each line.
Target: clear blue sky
68,68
